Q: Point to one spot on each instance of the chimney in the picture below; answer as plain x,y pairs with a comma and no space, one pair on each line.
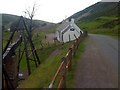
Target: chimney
72,20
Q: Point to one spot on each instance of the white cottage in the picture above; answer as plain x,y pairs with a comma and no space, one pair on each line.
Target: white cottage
68,31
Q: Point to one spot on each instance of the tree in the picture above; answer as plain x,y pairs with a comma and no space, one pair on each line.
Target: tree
30,15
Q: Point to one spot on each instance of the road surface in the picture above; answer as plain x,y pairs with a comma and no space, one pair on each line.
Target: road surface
98,67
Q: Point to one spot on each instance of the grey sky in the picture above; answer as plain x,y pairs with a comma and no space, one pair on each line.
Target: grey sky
110,0
48,10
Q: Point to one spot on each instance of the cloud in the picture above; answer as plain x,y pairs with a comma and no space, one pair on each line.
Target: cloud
110,0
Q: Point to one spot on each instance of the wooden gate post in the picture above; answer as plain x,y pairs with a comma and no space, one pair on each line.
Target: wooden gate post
11,69
62,83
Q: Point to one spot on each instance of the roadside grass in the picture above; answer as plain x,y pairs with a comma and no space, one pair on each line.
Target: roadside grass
43,52
5,36
42,76
102,25
71,74
38,39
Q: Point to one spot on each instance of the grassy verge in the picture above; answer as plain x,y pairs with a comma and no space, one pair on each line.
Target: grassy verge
38,38
102,25
71,74
116,36
42,76
5,38
42,53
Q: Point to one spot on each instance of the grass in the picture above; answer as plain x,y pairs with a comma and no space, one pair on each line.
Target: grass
42,76
43,53
102,25
5,38
39,37
76,58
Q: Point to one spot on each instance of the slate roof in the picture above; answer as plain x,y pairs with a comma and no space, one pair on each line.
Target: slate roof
63,26
66,26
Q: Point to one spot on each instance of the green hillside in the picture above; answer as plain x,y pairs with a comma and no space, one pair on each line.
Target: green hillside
100,18
97,10
102,25
8,20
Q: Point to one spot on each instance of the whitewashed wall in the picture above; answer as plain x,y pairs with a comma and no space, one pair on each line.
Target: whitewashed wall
71,33
76,32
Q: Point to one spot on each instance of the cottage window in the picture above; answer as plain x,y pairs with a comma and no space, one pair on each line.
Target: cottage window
72,29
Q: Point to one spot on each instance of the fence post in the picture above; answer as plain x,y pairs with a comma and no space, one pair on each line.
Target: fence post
64,75
66,63
11,69
70,59
77,42
69,37
62,83
73,49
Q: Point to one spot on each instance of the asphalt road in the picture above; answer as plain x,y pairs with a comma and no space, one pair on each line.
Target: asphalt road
98,67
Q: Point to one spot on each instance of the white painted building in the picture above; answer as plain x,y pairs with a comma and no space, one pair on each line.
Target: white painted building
68,31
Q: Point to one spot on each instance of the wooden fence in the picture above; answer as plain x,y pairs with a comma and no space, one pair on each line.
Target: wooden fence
66,64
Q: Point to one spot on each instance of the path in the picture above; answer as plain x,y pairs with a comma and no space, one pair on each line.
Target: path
98,67
50,37
53,54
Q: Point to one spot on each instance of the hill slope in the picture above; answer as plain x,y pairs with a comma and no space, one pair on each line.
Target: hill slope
8,20
97,10
101,17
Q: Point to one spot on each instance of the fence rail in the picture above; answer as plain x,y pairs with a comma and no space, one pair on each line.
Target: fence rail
66,64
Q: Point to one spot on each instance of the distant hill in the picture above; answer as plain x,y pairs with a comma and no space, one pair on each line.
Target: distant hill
8,20
102,17
97,10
